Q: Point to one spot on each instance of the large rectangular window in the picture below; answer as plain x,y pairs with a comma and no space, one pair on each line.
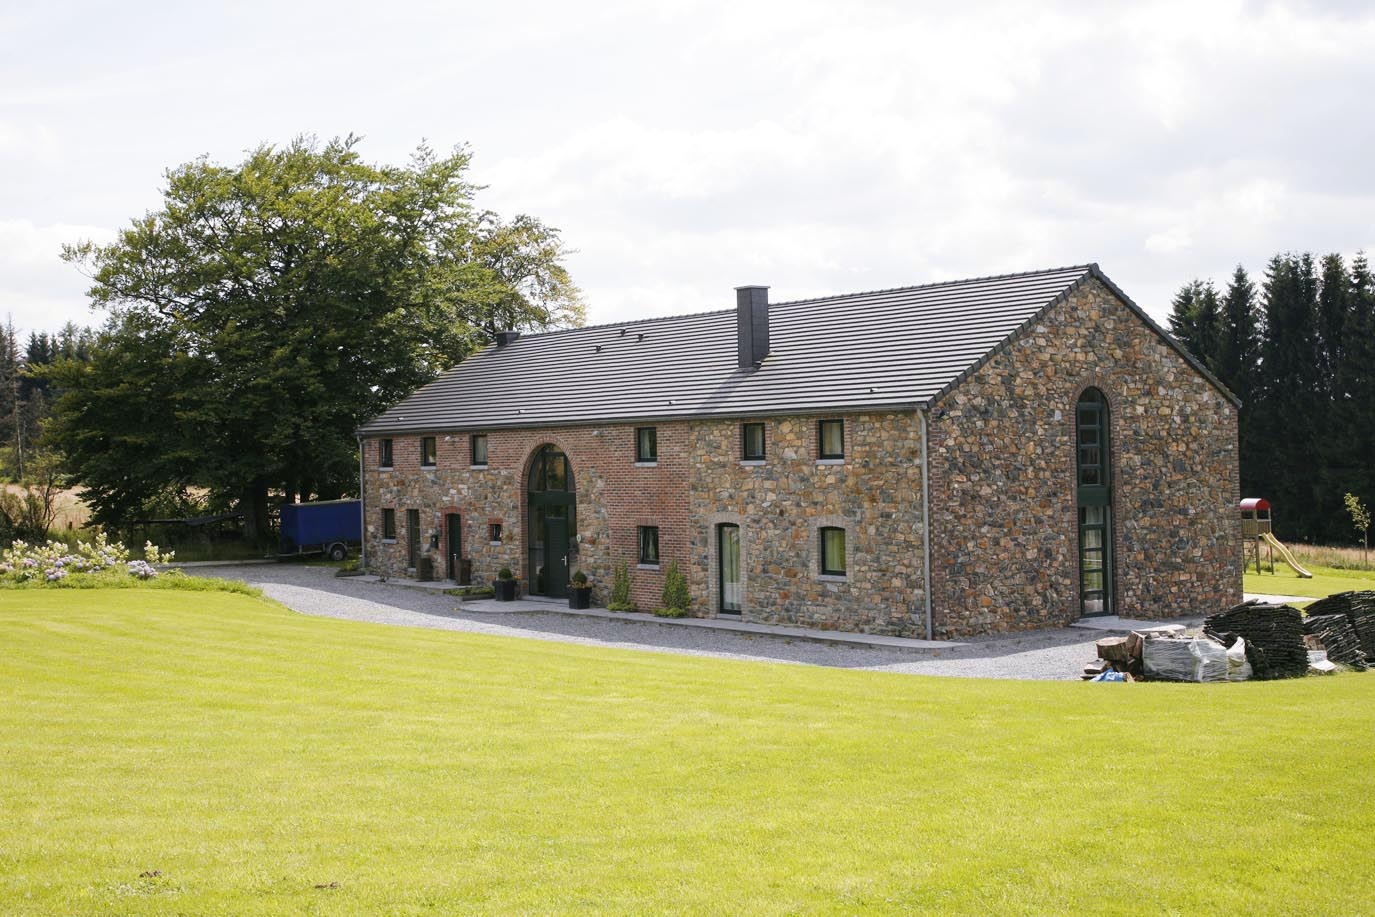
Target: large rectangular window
830,439
388,525
752,442
429,454
649,545
479,448
832,552
646,444
384,453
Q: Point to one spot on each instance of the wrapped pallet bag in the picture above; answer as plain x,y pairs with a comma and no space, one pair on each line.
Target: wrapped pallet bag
1238,666
1198,659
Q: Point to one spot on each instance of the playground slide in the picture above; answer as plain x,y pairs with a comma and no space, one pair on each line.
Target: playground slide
1288,558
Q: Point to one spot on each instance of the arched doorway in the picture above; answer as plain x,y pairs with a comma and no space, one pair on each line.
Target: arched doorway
552,521
1094,479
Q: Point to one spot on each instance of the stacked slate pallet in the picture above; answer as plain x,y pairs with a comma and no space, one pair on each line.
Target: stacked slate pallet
1359,608
1338,638
1273,634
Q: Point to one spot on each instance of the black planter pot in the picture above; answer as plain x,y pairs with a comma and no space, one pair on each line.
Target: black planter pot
505,589
580,597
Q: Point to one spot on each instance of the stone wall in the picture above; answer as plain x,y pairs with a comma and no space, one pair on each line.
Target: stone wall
780,505
614,497
1003,477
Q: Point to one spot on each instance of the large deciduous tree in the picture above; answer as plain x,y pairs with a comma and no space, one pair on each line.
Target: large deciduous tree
268,307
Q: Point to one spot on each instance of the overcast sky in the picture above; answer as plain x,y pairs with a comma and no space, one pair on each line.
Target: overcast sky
686,148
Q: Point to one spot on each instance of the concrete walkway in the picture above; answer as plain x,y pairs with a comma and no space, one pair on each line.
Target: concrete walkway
1054,654
1278,599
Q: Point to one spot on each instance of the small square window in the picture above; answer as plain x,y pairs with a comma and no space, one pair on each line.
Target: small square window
389,524
752,442
429,454
832,552
830,439
649,545
384,453
494,532
646,444
479,448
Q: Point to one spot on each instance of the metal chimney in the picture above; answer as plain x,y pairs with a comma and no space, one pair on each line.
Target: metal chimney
752,325
506,337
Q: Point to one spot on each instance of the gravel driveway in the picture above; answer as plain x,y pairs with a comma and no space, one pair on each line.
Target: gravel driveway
1050,654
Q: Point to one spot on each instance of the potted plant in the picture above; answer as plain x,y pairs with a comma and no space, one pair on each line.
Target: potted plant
505,585
580,595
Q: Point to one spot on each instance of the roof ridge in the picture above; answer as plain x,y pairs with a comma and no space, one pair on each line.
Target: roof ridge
1085,268
797,302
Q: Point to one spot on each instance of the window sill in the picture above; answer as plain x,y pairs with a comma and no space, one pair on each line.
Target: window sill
646,566
428,467
478,467
389,541
385,467
839,461
646,464
832,578
752,463
494,544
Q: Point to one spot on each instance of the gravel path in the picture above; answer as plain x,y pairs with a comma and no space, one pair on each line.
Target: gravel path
1051,654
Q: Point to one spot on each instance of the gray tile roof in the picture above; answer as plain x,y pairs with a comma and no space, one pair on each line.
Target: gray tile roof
888,348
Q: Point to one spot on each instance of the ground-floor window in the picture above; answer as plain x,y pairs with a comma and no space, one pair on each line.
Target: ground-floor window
388,525
494,533
649,545
832,551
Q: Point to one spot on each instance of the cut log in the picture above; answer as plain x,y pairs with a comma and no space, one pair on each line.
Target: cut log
1115,649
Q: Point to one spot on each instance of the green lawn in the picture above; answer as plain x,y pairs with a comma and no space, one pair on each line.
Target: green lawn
1325,581
249,754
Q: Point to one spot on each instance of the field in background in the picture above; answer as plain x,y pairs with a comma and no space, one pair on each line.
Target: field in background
167,753
72,514
1340,558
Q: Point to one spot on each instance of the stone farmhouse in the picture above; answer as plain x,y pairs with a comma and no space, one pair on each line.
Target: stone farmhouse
942,460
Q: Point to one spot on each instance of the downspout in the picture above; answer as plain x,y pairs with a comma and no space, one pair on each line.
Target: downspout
362,512
926,527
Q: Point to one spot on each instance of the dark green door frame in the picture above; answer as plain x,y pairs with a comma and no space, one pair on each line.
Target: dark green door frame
551,506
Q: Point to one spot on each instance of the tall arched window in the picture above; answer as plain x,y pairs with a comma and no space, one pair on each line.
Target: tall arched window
1094,504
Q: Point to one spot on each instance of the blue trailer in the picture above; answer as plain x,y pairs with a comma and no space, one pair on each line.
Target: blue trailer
329,527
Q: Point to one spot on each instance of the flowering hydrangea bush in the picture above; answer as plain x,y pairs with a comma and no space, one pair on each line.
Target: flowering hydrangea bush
53,562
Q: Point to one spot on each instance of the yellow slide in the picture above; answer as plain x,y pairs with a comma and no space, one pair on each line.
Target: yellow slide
1288,558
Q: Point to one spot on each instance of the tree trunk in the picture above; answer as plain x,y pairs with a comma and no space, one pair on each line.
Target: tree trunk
253,505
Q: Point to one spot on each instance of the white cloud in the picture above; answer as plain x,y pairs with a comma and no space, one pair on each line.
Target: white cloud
686,147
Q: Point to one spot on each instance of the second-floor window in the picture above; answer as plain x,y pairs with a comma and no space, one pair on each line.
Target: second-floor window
646,444
830,439
752,442
384,453
429,454
479,448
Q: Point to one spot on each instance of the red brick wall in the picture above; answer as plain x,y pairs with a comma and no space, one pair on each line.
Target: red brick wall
614,497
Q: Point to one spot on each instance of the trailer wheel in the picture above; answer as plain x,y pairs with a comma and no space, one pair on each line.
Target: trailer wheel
338,551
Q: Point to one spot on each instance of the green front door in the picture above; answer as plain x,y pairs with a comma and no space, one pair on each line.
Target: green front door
1094,506
555,556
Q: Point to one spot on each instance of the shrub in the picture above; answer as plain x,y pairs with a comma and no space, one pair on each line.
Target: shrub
620,589
580,579
95,563
505,573
677,601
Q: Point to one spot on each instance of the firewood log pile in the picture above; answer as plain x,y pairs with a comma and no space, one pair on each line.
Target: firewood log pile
1359,609
1336,635
1273,635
